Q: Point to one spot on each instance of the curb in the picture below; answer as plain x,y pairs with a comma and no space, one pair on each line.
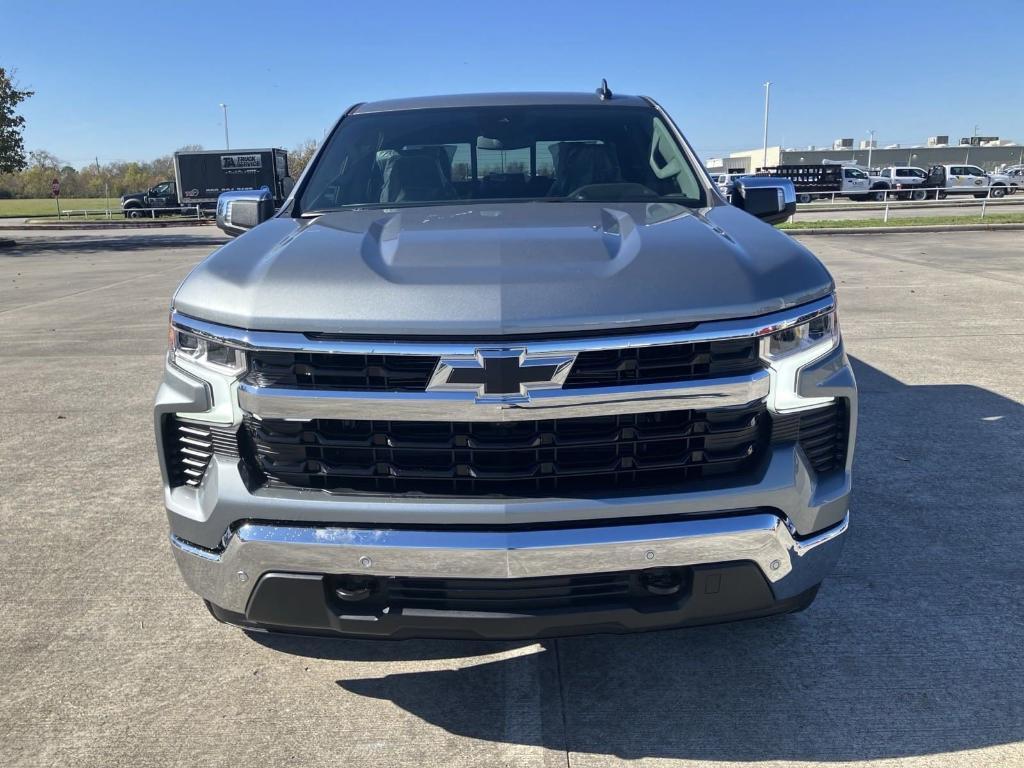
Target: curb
897,230
107,225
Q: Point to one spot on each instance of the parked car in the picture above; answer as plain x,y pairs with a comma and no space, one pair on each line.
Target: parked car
201,176
724,181
902,179
1015,178
966,180
423,399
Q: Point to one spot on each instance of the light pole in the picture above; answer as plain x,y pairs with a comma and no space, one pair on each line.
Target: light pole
871,144
974,135
767,92
227,143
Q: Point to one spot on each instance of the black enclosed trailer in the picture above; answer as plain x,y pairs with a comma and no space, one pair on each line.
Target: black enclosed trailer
809,180
203,175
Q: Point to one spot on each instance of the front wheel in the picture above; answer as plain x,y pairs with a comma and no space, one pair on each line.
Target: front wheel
878,196
998,192
803,197
918,194
133,213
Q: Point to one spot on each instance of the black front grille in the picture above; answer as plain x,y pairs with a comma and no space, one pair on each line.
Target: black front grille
547,457
672,362
411,373
320,370
189,446
531,594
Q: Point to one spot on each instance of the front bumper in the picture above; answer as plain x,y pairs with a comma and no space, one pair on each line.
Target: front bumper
275,576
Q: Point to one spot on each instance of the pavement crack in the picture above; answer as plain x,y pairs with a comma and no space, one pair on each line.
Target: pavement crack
561,701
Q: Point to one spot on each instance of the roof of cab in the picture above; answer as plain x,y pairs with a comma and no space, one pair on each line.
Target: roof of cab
496,100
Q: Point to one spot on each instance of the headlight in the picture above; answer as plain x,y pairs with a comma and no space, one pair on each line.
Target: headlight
789,350
210,354
813,338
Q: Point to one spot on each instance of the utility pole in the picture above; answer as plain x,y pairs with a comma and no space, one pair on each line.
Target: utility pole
227,143
106,191
767,92
974,135
871,144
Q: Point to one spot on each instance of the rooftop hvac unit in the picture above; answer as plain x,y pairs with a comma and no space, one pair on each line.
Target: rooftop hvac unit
842,144
938,141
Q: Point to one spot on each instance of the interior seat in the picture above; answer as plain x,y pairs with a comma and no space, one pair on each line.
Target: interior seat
413,175
579,163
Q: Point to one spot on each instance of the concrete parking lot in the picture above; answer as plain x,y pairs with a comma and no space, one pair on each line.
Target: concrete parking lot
911,656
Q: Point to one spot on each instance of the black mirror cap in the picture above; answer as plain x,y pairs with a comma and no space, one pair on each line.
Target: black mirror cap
769,198
241,210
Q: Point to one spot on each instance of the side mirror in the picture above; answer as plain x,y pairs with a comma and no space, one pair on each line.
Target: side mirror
770,198
241,210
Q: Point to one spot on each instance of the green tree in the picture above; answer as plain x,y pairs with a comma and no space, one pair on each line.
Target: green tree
12,147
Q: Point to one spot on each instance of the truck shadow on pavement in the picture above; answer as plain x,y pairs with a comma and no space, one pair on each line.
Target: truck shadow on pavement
912,648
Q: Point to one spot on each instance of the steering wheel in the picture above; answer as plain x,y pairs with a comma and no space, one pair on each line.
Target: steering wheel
611,192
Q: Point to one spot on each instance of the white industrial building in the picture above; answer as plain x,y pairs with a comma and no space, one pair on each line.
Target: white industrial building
988,152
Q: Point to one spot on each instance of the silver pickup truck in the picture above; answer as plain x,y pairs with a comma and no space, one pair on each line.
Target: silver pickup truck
506,366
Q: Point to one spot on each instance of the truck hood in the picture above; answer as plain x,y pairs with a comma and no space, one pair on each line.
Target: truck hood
502,269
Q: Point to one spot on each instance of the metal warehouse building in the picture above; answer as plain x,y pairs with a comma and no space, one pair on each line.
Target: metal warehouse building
988,157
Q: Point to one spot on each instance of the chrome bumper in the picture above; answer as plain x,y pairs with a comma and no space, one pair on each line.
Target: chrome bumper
228,576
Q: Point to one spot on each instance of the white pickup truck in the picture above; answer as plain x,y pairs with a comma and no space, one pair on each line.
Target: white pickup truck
967,180
907,181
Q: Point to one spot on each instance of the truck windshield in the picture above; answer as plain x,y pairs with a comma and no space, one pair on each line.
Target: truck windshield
454,155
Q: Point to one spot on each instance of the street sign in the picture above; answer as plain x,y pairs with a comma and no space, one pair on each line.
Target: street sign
55,187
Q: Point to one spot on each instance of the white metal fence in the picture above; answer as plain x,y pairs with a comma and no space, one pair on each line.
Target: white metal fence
919,198
183,211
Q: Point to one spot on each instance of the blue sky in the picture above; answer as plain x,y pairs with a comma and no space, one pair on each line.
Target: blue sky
137,80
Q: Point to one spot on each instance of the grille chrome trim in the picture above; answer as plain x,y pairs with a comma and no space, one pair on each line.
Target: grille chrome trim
708,331
303,404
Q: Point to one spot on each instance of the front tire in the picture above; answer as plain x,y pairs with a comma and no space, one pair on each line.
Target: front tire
133,213
803,197
998,192
918,194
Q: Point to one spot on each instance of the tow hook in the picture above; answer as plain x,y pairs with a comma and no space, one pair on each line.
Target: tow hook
662,581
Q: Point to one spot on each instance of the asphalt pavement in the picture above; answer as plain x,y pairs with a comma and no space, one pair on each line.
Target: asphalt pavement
911,656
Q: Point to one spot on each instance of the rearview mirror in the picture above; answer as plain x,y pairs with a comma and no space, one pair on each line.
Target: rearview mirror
770,198
241,210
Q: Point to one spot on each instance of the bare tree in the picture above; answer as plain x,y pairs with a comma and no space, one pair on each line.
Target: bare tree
299,157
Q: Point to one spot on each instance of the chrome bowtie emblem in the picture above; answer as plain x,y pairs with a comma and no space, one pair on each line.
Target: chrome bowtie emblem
501,374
